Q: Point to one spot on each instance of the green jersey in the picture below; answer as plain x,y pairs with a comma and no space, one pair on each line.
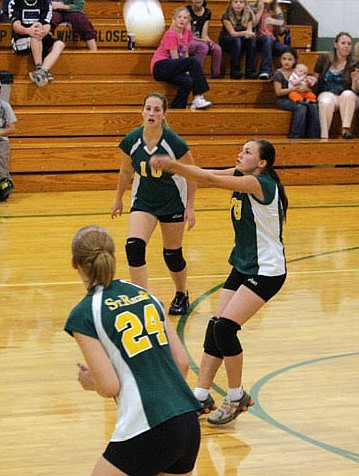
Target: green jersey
258,228
129,322
155,191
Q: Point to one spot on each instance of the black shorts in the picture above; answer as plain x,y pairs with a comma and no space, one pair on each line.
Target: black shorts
264,286
170,447
172,218
22,45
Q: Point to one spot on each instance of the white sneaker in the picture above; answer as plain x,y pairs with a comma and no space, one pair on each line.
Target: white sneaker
264,76
200,103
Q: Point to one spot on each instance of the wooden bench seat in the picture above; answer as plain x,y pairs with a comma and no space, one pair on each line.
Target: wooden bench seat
113,34
93,163
74,63
127,92
102,153
115,120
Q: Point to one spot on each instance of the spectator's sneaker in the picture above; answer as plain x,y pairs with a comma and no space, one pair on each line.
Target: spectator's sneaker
200,103
207,406
264,76
48,74
179,305
230,409
236,75
39,78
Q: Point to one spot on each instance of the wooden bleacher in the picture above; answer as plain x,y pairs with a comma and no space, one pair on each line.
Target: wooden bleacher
68,132
113,34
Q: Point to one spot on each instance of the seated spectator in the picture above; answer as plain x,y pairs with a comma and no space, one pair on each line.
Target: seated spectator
300,77
202,45
30,21
171,63
7,126
237,36
72,11
305,120
333,75
271,25
257,8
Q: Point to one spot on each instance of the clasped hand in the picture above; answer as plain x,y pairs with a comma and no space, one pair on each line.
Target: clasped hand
85,377
163,162
37,31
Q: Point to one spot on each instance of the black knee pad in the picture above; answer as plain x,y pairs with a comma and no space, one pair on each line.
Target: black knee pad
225,336
209,344
136,252
174,259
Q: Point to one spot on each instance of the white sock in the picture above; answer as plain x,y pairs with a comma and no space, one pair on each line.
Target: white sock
201,393
235,393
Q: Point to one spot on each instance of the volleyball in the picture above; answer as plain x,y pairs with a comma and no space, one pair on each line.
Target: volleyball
144,19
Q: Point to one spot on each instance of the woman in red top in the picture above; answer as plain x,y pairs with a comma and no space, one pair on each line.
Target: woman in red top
171,63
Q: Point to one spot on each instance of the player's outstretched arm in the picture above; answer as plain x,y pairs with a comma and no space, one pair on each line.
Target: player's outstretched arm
225,180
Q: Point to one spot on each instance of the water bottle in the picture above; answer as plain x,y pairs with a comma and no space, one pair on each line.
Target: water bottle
131,41
287,39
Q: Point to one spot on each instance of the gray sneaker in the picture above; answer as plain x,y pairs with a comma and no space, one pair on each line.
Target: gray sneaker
48,74
39,78
230,409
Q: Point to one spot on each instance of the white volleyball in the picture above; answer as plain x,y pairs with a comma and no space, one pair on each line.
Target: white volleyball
144,19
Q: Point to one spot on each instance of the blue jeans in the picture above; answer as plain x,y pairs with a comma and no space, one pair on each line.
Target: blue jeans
186,73
268,46
305,119
235,46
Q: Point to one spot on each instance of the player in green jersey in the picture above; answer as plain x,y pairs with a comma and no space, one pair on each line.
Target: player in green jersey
156,197
133,354
258,209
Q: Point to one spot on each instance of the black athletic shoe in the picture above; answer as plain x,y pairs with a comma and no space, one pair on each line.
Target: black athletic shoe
179,305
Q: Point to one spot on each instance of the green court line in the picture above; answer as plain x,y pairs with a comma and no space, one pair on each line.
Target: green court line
257,410
325,253
200,210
